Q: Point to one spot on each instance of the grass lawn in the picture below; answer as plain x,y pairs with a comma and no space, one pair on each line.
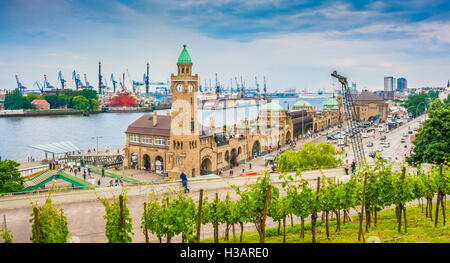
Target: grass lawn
419,229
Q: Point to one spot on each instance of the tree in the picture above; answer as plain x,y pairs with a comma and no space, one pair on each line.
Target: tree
94,104
416,104
14,100
10,179
432,140
80,103
315,156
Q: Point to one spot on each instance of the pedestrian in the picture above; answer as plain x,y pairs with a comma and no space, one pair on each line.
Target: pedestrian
231,172
353,166
49,165
79,169
84,176
116,181
110,183
75,171
249,166
103,172
184,182
346,167
98,182
89,171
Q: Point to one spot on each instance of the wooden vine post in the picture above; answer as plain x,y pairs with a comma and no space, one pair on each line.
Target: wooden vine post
145,225
36,224
199,216
266,205
314,213
361,215
216,225
439,201
121,212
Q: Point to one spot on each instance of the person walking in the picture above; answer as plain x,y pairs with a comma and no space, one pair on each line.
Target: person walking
84,176
98,182
353,166
116,181
103,172
184,181
111,183
346,167
75,172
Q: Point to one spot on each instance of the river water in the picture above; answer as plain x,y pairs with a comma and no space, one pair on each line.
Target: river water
18,134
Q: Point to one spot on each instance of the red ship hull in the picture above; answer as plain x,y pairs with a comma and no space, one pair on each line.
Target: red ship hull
124,99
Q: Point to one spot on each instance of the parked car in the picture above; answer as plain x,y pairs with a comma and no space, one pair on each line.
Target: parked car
370,144
410,132
379,149
383,137
403,140
386,145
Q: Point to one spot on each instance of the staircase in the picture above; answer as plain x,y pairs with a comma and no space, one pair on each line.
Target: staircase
32,183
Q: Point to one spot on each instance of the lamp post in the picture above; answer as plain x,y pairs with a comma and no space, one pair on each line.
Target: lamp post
97,137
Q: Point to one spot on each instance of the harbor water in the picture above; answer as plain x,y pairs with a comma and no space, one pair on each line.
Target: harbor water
18,134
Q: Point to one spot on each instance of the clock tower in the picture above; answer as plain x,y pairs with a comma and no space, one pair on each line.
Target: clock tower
184,149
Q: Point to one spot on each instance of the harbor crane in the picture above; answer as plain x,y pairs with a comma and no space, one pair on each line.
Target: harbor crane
257,88
146,80
76,78
39,86
47,84
62,80
350,115
242,88
20,86
113,82
88,86
217,88
100,84
265,88
238,89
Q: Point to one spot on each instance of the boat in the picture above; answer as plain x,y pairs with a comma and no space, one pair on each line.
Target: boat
124,98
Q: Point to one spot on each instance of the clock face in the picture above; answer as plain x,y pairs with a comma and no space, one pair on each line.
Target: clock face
191,88
179,88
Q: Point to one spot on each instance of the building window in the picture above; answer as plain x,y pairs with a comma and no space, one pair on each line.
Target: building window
187,70
147,139
168,141
182,70
134,138
159,141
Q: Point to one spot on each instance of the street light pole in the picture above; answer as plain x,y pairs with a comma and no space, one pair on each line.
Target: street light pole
97,137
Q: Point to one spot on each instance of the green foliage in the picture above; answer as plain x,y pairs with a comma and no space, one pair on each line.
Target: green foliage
432,140
93,104
10,179
416,104
80,103
314,156
115,231
14,100
6,235
52,224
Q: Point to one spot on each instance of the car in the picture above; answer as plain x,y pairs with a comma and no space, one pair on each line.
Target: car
403,140
405,135
370,144
410,132
383,137
379,149
386,145
372,154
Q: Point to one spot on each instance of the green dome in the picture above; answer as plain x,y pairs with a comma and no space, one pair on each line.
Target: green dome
331,104
272,106
184,57
302,103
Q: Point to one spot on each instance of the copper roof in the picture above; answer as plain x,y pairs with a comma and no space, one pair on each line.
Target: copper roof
369,97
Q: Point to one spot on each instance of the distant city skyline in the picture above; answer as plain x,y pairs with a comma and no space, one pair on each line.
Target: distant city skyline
294,44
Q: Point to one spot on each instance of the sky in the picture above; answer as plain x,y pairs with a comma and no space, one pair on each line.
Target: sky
293,44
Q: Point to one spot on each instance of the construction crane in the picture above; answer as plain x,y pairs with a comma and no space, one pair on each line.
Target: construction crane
238,89
242,88
100,84
113,82
88,86
76,78
47,84
217,88
20,86
350,115
62,80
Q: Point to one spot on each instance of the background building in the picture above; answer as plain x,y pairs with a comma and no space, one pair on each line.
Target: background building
369,106
401,84
389,88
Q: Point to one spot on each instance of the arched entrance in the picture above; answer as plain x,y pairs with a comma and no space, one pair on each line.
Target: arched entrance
134,161
256,149
234,156
206,167
227,156
288,137
146,162
159,164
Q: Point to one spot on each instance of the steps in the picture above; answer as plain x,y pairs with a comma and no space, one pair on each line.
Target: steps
38,179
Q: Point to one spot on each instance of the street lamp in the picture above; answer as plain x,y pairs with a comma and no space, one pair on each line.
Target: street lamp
97,137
